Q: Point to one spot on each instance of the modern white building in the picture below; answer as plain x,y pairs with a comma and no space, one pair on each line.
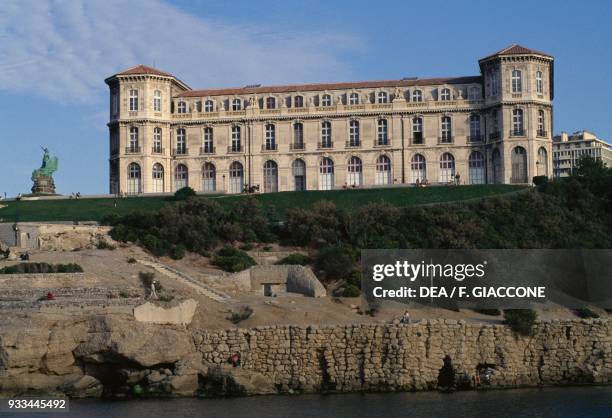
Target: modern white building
568,149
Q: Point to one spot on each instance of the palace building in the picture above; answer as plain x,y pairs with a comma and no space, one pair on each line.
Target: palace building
491,128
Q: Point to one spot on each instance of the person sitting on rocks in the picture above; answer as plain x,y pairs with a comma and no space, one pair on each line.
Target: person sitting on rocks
235,360
405,318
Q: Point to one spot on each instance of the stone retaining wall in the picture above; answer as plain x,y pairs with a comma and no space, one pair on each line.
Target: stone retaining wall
409,357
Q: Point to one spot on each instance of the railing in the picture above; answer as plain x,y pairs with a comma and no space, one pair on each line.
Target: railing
494,136
207,150
324,145
446,139
269,147
382,106
517,132
474,138
133,150
180,151
353,144
296,146
234,148
542,134
158,150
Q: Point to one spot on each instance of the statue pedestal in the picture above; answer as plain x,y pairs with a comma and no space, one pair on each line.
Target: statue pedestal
43,184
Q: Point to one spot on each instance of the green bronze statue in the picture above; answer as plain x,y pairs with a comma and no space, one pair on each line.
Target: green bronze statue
43,176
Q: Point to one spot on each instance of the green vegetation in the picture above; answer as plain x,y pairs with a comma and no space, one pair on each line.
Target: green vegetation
295,259
104,245
243,313
586,313
184,193
29,268
491,312
520,320
97,209
232,260
336,261
351,291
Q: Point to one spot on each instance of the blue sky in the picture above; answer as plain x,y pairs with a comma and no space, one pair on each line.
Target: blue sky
54,56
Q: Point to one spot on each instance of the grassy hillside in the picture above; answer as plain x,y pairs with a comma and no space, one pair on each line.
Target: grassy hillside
95,209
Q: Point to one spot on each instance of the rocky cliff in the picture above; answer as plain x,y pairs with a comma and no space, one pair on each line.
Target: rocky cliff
92,355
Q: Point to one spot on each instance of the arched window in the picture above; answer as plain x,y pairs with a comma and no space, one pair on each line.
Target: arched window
539,82
445,94
417,96
157,101
157,141
298,101
208,144
326,100
517,122
134,184
418,167
134,142
270,137
383,170
417,130
542,164
446,130
181,177
236,176
355,170
519,165
382,132
475,135
158,178
474,93
326,135
354,99
209,177
236,105
133,100
353,134
298,135
382,97
477,168
541,123
182,107
447,168
209,106
299,175
326,174
497,166
270,102
517,81
236,144
181,141
270,172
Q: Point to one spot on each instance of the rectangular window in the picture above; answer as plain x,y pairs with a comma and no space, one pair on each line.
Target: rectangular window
157,101
133,100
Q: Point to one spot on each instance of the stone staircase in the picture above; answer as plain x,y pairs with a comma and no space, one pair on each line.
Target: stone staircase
195,284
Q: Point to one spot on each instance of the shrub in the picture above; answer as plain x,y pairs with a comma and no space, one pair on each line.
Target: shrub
184,193
586,313
539,180
147,279
104,245
131,260
267,248
351,291
354,278
177,252
492,312
245,312
295,259
520,320
247,246
166,298
232,260
33,268
336,262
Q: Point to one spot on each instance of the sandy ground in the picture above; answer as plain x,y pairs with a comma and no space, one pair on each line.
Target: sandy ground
106,268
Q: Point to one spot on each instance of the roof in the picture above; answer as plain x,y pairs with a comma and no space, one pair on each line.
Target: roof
143,69
330,86
516,49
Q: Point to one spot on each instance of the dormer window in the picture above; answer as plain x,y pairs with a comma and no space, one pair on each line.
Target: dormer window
133,100
270,103
298,101
445,94
417,96
236,105
382,97
209,106
354,99
517,81
182,107
326,100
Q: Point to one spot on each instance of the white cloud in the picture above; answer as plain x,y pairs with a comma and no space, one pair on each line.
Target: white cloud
63,50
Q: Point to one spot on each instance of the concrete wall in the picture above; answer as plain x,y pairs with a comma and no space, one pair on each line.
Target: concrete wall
409,357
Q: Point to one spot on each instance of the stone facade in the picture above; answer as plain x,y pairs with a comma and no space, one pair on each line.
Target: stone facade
491,128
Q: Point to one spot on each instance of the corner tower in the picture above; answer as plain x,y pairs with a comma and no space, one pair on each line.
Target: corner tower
518,91
139,129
